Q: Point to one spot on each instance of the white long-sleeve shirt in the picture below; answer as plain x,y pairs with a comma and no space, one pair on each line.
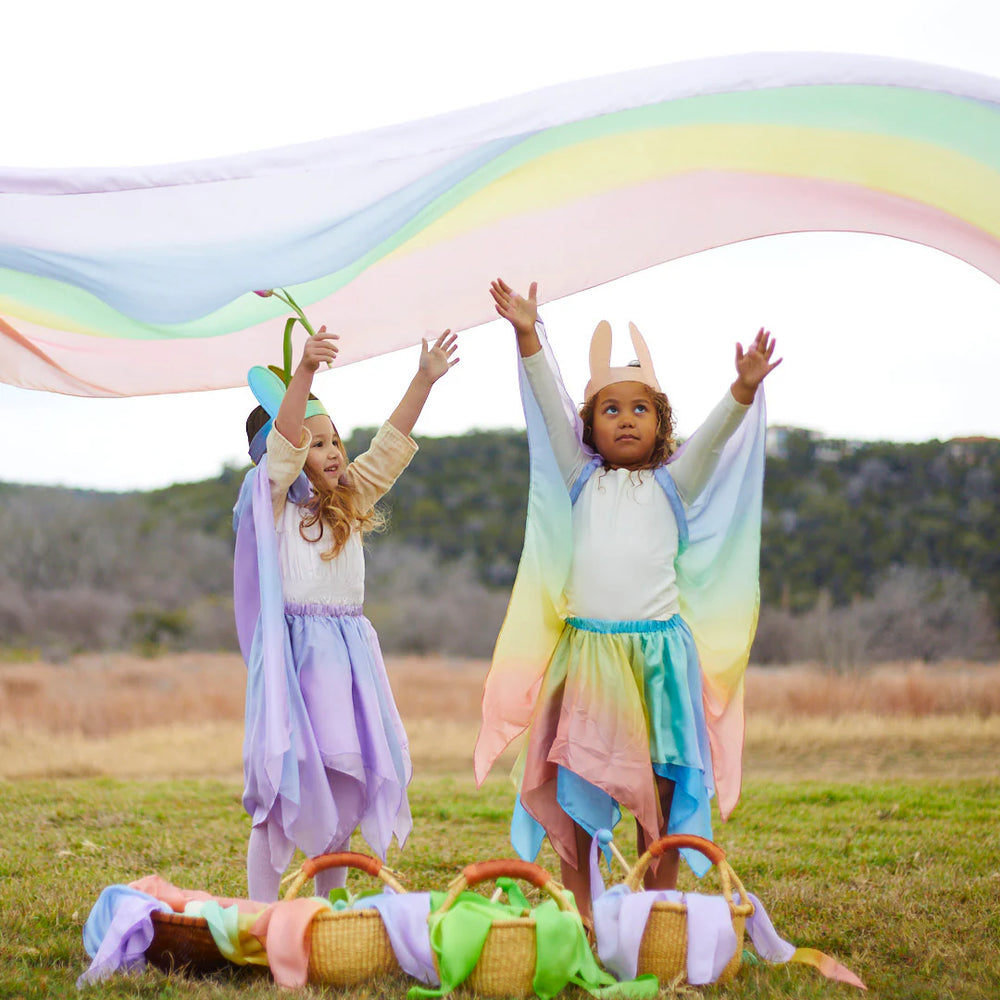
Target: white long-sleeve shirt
624,531
307,578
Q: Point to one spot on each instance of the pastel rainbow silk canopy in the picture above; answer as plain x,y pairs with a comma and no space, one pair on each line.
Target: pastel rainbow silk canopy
138,280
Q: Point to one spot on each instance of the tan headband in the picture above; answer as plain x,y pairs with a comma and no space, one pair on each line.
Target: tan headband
601,372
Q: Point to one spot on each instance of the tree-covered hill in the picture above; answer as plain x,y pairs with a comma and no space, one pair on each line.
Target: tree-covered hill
895,525
838,514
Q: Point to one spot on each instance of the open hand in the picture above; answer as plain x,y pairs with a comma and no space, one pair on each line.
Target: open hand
318,349
754,365
437,360
521,313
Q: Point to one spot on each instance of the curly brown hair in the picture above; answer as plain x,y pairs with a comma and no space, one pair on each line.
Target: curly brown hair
665,445
337,508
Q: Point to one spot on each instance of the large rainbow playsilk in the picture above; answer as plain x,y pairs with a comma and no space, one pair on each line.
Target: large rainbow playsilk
132,281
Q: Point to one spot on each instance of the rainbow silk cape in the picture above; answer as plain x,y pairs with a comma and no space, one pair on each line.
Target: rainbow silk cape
139,280
717,578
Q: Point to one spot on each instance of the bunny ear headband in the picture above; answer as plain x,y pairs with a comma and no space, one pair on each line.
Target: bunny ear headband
270,384
601,372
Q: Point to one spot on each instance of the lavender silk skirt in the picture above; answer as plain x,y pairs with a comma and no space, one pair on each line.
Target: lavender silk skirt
348,749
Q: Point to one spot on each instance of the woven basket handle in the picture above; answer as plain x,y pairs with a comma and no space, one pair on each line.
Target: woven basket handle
342,859
489,871
712,851
672,841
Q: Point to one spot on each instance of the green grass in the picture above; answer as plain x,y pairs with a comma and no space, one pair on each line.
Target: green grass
901,882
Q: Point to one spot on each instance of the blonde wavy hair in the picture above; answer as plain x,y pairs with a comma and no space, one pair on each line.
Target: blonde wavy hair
337,509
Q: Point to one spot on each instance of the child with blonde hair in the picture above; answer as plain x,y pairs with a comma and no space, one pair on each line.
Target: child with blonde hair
325,751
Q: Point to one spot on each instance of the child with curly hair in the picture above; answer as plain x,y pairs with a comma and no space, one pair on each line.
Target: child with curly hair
634,609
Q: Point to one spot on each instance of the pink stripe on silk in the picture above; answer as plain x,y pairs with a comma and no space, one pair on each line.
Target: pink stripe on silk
576,246
32,368
726,733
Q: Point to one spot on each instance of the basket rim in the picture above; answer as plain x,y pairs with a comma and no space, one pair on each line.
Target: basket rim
510,922
668,906
367,913
179,919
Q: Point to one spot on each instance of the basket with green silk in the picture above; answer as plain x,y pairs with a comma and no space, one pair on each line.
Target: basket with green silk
348,947
663,949
506,965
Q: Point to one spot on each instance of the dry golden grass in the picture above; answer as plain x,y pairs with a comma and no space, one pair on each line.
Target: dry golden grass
912,690
181,716
104,694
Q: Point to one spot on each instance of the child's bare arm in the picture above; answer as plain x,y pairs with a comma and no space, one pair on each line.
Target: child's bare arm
753,366
434,362
292,412
521,313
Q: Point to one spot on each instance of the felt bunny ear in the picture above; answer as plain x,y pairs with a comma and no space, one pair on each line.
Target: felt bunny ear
645,361
601,372
600,358
600,348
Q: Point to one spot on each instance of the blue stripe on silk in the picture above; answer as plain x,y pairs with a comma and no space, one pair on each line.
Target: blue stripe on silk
138,285
593,809
526,833
690,810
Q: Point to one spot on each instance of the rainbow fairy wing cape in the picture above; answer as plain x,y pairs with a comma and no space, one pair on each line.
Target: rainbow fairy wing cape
138,280
717,576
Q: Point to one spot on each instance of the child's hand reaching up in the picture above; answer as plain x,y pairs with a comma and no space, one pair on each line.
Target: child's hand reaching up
319,349
753,366
434,362
437,360
521,313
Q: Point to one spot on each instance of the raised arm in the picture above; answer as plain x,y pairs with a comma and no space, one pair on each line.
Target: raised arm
753,366
318,349
693,467
434,362
522,314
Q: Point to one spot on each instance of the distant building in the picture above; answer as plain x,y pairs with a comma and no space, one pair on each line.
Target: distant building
967,449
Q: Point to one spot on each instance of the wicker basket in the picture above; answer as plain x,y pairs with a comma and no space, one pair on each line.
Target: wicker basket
183,943
506,966
663,949
351,946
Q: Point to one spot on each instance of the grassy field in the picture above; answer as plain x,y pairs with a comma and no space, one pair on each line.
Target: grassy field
898,880
873,837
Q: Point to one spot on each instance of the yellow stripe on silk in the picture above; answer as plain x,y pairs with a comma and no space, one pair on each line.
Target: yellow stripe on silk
953,183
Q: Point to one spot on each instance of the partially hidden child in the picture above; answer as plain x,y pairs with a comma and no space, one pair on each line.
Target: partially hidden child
629,627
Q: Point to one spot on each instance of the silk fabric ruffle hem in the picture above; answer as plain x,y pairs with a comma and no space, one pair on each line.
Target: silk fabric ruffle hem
351,758
619,702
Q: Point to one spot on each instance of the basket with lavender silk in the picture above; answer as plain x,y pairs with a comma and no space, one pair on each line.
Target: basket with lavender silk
655,934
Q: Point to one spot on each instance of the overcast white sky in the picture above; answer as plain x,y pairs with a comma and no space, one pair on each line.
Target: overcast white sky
882,339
